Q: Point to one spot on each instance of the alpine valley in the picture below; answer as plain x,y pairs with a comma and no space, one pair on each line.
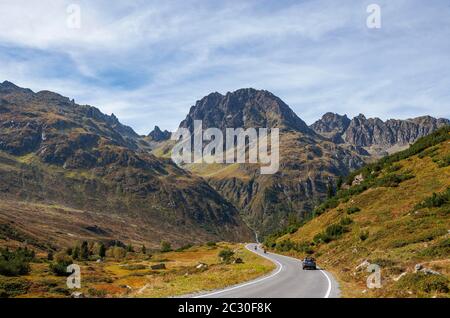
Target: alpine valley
68,172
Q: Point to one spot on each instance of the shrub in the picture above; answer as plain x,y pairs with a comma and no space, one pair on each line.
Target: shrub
364,235
346,221
165,247
334,231
102,250
440,249
226,255
444,162
76,252
15,263
353,209
211,244
285,245
436,200
116,252
84,251
393,180
59,266
330,203
97,293
184,247
424,283
12,287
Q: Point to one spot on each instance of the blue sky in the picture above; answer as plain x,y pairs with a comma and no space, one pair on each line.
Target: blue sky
149,61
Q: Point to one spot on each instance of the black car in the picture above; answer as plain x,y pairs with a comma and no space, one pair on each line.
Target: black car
309,263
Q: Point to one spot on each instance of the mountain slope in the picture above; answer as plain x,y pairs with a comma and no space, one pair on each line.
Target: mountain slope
396,214
55,153
307,160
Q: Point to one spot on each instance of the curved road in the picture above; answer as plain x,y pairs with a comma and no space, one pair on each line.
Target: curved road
288,280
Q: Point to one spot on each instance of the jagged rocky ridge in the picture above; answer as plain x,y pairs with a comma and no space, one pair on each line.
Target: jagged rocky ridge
377,136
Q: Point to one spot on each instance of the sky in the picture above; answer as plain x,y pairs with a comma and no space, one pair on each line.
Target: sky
148,62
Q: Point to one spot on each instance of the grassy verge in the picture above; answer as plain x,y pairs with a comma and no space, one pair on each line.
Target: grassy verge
134,277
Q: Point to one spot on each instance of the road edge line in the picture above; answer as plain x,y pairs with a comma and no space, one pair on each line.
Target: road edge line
280,267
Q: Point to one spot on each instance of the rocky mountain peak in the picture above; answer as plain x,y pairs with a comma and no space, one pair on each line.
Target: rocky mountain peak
244,108
375,133
158,135
7,88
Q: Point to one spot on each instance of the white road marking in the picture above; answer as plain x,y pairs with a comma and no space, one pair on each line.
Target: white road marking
280,267
327,294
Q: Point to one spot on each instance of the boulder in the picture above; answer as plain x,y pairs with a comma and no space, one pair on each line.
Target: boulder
396,279
418,267
77,295
202,266
158,266
363,265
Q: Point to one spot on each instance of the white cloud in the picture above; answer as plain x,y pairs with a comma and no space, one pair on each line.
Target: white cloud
148,61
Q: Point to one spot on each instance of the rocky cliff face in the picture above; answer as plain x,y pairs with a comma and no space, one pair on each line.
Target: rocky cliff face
307,160
377,136
54,151
332,126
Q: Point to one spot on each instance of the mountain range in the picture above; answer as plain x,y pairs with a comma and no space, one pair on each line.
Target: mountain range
69,172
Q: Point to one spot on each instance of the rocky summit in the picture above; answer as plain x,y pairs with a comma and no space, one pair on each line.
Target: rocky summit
376,136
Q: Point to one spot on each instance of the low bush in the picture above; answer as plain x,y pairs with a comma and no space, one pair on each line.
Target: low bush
346,221
184,247
12,286
393,179
436,200
363,235
332,232
15,263
441,249
165,247
59,266
423,282
353,209
226,255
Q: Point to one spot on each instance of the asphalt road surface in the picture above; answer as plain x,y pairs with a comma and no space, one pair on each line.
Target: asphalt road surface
288,280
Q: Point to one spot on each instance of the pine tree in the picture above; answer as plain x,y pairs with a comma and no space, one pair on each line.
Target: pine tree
102,250
76,252
84,253
130,248
330,189
339,183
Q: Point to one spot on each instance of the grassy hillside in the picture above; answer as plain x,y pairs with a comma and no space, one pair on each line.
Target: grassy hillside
130,274
394,213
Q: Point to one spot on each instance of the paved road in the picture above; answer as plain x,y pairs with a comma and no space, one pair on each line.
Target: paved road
288,280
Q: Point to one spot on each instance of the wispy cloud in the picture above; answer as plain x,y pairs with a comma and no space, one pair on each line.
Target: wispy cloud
149,61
